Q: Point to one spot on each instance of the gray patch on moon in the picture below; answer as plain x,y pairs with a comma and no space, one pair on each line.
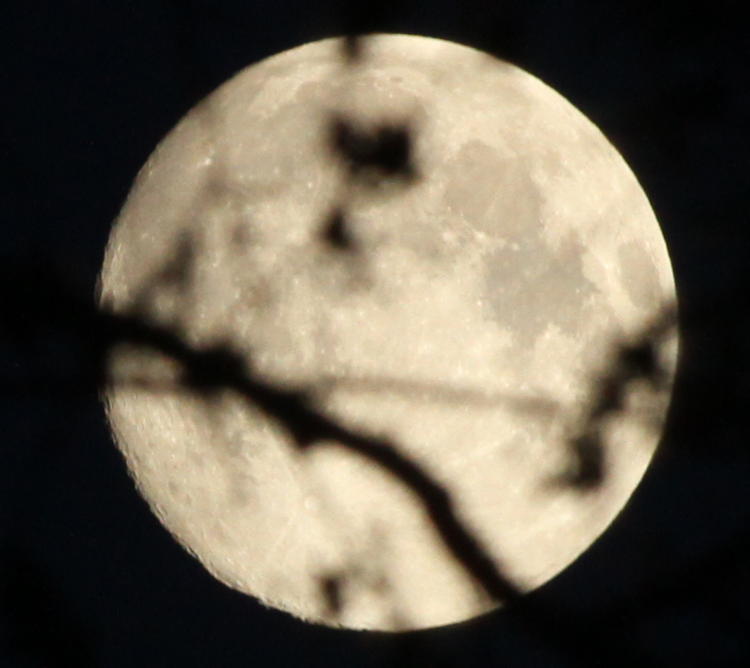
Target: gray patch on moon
528,285
638,274
505,205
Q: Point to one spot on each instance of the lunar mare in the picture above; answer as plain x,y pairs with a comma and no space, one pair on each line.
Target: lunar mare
469,324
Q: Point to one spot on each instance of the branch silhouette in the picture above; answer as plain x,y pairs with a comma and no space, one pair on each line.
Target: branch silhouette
220,367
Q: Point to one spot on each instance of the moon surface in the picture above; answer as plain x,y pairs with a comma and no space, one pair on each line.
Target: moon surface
464,309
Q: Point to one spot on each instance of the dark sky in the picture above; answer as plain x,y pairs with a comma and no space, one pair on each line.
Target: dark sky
89,578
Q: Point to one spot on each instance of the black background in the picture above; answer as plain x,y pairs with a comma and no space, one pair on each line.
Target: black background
89,577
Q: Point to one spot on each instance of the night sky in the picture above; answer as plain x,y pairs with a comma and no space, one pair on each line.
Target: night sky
89,578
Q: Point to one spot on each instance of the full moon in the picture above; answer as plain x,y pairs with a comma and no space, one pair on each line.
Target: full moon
426,247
